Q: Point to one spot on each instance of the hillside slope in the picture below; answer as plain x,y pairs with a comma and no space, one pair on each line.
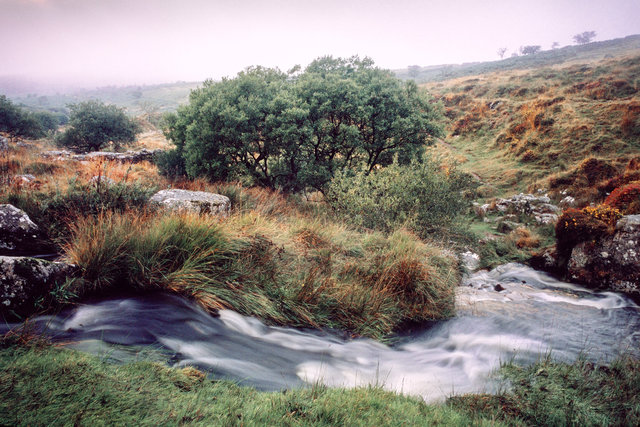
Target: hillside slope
569,54
518,129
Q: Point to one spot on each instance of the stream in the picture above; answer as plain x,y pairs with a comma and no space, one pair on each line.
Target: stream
512,313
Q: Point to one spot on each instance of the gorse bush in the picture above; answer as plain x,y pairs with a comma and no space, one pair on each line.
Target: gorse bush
419,196
291,131
580,225
626,198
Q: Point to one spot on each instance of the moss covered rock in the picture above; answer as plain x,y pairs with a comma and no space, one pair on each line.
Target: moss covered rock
25,281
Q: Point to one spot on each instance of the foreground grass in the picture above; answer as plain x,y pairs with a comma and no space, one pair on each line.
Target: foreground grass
551,393
48,386
43,385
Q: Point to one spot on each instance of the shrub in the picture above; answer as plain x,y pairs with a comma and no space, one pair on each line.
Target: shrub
626,199
591,223
293,132
285,269
93,124
418,196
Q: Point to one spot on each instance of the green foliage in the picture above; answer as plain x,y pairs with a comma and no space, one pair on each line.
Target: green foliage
21,123
295,131
419,196
93,124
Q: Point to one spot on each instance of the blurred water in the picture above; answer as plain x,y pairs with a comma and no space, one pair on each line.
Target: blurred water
510,313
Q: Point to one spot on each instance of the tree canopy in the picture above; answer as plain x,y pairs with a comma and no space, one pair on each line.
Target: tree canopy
295,130
93,124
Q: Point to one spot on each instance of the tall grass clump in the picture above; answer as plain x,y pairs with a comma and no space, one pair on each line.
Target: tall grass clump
294,270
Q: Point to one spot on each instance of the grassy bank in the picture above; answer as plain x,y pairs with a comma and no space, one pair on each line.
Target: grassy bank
297,270
43,385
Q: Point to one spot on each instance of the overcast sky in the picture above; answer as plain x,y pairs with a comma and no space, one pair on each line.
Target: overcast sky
97,42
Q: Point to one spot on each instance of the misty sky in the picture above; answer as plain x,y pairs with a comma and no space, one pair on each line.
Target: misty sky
97,42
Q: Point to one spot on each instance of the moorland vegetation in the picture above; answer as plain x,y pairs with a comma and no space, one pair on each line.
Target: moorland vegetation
339,219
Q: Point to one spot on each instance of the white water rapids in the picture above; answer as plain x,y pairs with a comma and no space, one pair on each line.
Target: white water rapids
528,316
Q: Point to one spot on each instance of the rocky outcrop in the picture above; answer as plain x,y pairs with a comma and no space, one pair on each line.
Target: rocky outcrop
126,157
612,262
25,281
24,179
192,201
4,143
539,207
56,154
101,181
18,234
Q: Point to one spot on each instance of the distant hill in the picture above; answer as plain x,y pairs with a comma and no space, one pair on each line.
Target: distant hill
138,100
580,53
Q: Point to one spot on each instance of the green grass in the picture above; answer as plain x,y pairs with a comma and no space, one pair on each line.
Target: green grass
44,385
49,386
551,393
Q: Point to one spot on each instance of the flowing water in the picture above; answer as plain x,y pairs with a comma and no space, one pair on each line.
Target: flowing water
510,313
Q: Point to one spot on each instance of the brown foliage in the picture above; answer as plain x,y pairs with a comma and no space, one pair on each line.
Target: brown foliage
626,199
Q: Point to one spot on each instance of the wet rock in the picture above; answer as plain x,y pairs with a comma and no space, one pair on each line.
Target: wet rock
547,260
18,234
192,201
25,281
611,263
